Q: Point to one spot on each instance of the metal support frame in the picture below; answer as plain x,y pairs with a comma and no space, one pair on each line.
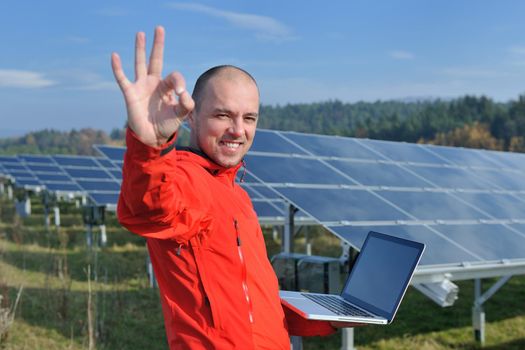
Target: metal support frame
103,236
9,192
151,273
56,211
478,314
289,227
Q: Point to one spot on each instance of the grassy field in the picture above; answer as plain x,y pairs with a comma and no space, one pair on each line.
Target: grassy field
52,266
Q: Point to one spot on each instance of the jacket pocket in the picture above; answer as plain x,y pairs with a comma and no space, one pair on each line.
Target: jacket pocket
209,297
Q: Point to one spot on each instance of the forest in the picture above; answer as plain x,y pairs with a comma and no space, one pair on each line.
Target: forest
468,121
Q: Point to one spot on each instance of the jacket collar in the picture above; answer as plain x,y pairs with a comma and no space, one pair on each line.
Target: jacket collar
213,168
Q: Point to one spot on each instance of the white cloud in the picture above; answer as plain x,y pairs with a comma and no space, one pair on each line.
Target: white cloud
263,26
401,55
80,79
23,79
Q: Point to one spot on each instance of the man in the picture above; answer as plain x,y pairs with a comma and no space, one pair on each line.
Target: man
217,287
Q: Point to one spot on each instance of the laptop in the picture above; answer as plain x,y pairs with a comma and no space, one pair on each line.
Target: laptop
374,288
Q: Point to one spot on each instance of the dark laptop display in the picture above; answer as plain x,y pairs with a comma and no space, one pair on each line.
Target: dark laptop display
375,286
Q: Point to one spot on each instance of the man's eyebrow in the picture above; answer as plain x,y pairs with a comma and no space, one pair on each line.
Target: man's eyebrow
229,112
222,110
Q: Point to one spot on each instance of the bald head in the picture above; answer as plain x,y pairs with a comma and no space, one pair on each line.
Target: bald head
227,72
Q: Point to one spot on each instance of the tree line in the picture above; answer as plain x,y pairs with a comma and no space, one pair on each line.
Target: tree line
469,121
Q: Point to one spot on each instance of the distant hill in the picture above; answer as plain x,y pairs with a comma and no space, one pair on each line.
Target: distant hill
50,141
469,121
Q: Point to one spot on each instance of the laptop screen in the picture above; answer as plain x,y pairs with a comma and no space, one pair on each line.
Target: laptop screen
380,277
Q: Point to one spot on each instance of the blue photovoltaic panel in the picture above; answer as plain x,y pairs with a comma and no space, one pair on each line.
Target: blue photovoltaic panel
16,167
379,174
36,159
439,249
507,159
78,173
402,152
98,185
103,199
8,159
44,168
117,174
75,161
463,156
53,177
265,209
106,163
504,179
327,146
62,187
342,204
451,185
450,178
111,152
270,142
426,205
297,170
23,181
489,241
496,205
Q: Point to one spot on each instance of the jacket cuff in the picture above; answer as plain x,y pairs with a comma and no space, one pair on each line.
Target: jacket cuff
139,150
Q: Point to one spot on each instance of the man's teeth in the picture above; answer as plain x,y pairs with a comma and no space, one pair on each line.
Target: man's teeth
231,144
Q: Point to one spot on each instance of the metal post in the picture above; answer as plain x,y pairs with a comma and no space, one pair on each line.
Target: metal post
27,205
287,244
296,342
89,235
103,236
45,202
347,342
56,210
478,315
151,273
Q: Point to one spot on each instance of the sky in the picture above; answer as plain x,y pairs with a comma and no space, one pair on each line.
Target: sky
55,68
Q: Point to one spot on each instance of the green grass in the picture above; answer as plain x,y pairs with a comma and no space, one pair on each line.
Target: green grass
52,266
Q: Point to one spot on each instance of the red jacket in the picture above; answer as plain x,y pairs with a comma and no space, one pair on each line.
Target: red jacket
218,288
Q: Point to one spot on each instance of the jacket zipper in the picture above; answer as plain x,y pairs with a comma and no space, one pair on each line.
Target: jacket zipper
244,272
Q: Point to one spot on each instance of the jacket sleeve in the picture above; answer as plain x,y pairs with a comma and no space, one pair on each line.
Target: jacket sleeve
158,198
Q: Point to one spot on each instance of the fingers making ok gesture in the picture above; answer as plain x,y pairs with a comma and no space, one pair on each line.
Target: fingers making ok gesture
156,107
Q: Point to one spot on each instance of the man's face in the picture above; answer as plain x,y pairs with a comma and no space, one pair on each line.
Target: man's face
223,125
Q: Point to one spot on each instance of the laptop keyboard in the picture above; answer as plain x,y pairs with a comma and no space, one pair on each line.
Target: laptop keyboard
336,305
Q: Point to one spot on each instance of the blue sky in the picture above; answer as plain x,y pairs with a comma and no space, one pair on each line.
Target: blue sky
55,70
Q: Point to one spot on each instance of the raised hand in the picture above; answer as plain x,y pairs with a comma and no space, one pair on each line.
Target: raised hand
156,107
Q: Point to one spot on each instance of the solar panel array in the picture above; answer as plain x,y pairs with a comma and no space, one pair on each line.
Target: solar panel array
95,177
467,205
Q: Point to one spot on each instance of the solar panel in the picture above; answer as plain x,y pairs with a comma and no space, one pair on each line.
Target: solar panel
104,199
64,160
87,173
111,152
423,192
39,159
438,195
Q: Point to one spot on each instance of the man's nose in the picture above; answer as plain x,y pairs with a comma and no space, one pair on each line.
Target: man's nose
237,127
